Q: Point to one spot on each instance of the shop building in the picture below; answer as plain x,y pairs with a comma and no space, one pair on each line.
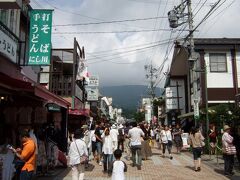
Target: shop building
24,103
65,77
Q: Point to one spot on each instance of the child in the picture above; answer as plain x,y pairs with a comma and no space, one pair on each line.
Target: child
118,167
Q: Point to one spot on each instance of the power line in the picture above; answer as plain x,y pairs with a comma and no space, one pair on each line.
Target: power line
39,5
222,13
167,54
160,69
151,2
198,3
167,51
113,21
200,8
121,63
109,60
204,19
113,32
152,38
126,52
133,50
78,14
129,47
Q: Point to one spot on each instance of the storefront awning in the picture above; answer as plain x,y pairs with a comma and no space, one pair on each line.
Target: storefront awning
49,97
186,115
13,84
79,112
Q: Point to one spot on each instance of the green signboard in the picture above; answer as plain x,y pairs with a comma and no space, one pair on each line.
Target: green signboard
40,37
53,107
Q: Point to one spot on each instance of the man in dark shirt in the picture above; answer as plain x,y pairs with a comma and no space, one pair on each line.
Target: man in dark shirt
98,132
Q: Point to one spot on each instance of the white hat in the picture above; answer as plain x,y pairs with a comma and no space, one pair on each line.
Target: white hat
120,126
114,126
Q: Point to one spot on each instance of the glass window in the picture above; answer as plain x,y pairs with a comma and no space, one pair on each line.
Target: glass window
11,19
3,16
218,62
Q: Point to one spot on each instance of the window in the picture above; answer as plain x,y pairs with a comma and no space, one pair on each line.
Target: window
11,19
218,62
3,16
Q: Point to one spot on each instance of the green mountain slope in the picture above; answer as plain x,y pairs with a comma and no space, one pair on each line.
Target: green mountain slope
127,97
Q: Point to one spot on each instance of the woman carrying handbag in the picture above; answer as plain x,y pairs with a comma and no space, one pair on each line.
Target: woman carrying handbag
78,155
229,150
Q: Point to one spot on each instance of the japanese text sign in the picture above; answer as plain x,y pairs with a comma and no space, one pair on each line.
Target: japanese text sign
93,81
40,37
8,46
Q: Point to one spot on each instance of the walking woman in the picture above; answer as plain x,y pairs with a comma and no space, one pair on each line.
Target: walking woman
78,148
146,149
229,150
196,141
108,148
166,137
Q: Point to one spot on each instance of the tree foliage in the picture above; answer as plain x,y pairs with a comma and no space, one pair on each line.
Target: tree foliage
139,116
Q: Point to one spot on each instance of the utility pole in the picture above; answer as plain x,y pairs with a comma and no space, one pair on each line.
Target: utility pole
152,75
176,19
192,63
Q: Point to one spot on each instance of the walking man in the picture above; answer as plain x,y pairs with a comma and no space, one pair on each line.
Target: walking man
98,133
135,135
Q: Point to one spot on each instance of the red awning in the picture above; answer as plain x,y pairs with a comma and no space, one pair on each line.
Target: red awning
79,112
49,97
37,90
15,84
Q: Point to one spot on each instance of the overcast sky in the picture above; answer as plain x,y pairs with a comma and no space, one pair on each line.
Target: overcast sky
118,58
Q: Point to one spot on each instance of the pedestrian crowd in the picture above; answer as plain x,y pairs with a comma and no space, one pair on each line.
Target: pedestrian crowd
105,144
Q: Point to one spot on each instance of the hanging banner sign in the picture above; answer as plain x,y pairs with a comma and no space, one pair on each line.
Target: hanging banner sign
40,37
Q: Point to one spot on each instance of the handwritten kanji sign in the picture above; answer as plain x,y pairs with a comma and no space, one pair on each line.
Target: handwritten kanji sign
40,37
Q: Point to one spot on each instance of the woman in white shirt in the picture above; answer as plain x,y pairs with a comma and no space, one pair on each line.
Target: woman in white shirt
77,149
92,143
108,148
166,137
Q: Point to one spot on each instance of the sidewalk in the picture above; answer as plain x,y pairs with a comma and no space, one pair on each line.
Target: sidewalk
155,168
217,163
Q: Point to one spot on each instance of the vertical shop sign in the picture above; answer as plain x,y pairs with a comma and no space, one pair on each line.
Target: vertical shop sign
40,37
